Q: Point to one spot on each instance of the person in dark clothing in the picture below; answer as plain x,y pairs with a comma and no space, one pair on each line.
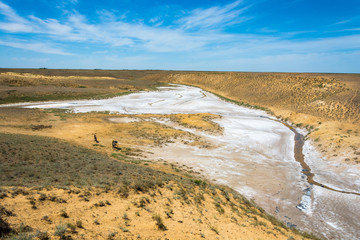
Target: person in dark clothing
95,138
115,146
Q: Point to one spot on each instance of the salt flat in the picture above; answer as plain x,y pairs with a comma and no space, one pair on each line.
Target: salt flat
254,155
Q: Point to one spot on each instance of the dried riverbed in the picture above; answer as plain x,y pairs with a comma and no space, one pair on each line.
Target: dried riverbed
254,155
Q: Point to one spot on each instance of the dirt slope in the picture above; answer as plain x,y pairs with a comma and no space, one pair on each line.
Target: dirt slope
75,193
327,105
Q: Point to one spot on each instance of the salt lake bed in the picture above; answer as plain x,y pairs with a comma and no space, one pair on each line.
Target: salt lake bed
253,154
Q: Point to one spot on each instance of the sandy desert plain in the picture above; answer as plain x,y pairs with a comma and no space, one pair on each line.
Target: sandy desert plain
204,155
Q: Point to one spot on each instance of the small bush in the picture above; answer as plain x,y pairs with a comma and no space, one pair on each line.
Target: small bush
214,229
124,229
79,224
125,216
159,222
4,227
64,214
42,235
72,227
60,230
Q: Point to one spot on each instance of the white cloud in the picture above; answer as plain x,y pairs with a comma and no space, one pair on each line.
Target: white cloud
214,17
37,47
10,14
343,22
156,21
15,22
50,26
352,29
14,27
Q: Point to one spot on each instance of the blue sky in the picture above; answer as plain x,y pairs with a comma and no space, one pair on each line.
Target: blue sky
242,35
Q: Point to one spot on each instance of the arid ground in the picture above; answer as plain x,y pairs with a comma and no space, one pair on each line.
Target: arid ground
58,182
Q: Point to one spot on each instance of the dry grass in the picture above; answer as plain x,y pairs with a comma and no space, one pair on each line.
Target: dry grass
59,189
41,162
31,86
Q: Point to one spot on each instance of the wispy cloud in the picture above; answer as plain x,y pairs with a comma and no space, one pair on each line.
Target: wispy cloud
10,14
343,21
156,21
352,29
214,17
346,21
37,47
14,23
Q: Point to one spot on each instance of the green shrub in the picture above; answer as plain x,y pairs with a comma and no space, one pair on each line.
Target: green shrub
60,230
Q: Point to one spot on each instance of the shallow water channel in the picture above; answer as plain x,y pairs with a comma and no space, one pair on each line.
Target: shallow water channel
255,155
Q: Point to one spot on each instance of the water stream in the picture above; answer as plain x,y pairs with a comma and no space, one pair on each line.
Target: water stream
299,156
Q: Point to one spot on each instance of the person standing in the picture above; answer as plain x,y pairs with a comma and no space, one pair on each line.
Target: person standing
95,138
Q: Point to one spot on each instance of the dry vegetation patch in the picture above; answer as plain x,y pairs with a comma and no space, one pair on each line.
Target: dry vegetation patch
31,86
143,130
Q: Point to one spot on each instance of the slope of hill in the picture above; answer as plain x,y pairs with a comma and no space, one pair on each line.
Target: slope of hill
327,105
56,183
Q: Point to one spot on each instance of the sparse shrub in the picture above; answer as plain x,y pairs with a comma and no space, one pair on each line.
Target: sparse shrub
42,197
4,227
199,182
99,204
42,235
214,228
124,191
159,222
218,206
25,228
169,213
111,235
225,194
46,218
64,214
124,229
72,227
60,230
125,216
143,201
79,224
5,212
